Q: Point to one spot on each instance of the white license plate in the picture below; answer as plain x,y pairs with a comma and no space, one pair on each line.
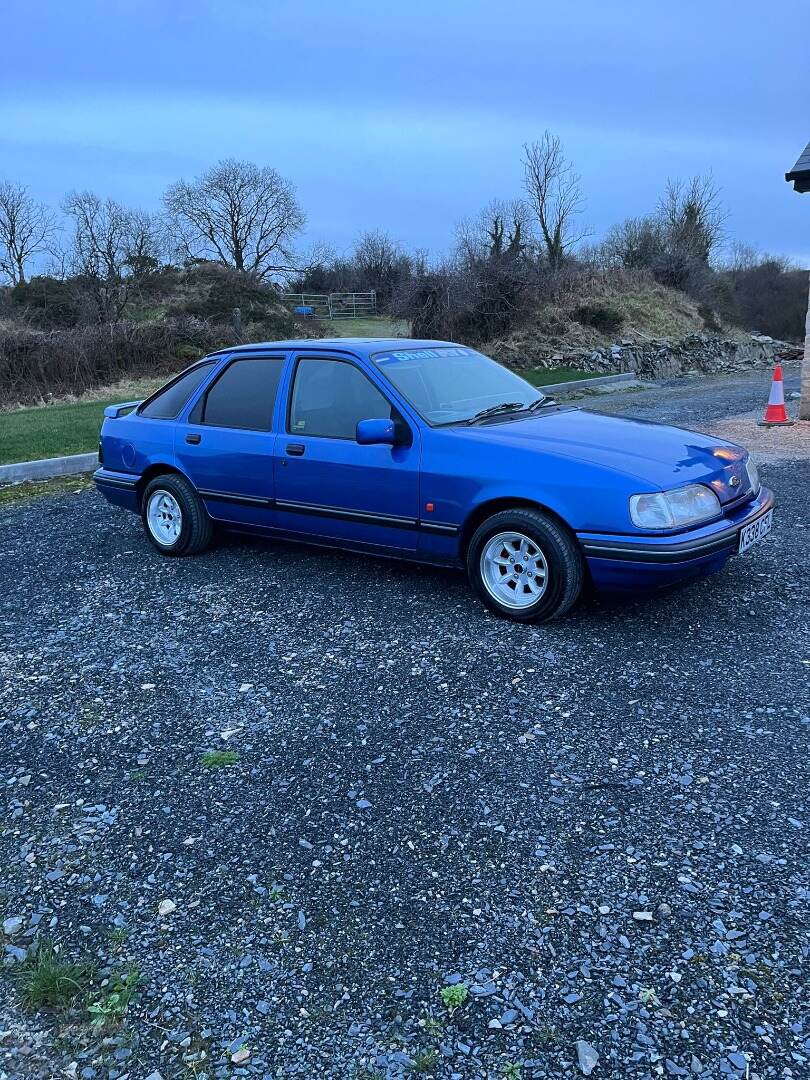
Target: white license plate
755,531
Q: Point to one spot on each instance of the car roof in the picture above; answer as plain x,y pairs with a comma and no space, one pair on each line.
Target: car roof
358,345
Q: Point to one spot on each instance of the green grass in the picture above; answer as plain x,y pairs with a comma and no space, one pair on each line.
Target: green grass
426,1061
219,759
549,376
49,980
73,428
66,427
50,431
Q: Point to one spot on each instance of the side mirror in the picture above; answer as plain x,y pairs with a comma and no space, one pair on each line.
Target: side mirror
371,432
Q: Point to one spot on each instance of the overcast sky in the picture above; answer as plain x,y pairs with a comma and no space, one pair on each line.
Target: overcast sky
407,115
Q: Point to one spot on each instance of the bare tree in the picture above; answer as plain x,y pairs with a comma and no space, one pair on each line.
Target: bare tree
742,257
501,232
554,193
148,242
378,263
693,216
487,287
238,214
637,243
27,228
376,256
111,246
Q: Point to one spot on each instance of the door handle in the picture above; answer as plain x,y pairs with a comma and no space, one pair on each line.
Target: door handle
296,449
193,439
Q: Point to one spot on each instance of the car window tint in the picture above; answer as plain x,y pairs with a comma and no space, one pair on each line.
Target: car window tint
168,403
244,394
330,397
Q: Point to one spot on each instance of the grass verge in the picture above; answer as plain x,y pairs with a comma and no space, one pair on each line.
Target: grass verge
51,430
550,376
73,427
34,489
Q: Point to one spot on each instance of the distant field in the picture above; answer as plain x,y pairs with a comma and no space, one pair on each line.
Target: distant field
373,326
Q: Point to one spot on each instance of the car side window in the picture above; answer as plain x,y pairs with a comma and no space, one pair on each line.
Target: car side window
243,396
168,403
330,397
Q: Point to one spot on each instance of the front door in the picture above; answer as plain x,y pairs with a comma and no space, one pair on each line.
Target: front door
226,445
328,485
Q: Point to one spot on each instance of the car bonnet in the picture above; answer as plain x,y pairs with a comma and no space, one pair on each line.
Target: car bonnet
658,454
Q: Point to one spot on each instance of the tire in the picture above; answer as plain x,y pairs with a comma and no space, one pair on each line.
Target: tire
163,498
548,581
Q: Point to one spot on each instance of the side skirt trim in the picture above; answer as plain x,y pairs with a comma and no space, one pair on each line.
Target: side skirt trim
226,496
390,521
362,516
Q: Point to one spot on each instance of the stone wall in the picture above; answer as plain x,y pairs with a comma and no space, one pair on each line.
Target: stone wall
695,354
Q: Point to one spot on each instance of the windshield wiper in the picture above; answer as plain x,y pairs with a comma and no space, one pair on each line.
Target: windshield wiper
492,410
541,403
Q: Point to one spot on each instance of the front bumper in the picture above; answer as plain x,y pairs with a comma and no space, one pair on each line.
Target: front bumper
643,562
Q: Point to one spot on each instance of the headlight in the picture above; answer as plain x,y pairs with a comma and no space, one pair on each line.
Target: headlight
673,509
753,474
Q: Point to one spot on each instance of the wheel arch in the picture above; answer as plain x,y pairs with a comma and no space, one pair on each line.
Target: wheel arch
479,514
158,469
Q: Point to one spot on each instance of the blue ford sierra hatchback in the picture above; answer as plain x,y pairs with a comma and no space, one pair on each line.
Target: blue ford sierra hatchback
429,451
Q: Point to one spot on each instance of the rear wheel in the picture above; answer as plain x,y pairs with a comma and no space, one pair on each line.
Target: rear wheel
174,517
525,565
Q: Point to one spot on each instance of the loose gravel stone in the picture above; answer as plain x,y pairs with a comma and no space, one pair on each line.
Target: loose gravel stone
524,791
587,1057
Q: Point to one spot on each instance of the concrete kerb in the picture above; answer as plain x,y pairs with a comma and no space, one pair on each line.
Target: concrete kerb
48,468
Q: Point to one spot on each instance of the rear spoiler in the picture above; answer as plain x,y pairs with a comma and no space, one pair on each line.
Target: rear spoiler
114,411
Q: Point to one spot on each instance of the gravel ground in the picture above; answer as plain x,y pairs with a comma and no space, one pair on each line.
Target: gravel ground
597,829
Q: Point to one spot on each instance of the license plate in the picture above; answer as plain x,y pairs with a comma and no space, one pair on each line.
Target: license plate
755,531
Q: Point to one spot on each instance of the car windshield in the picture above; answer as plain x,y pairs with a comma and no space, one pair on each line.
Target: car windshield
451,384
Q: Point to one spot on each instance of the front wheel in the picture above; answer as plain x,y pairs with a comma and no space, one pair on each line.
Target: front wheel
174,517
525,565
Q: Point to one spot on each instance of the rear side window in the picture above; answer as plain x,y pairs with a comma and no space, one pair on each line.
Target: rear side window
243,396
168,403
330,397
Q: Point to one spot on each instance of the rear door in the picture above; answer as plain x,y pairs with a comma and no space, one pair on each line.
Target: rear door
328,485
225,444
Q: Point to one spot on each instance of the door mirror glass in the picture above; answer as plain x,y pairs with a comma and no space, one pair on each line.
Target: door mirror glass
370,432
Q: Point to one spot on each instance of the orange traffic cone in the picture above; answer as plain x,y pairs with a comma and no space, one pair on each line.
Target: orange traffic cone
775,412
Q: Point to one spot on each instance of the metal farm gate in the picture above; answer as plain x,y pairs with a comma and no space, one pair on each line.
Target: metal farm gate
346,305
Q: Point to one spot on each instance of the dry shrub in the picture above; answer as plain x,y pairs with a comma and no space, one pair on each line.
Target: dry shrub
37,365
